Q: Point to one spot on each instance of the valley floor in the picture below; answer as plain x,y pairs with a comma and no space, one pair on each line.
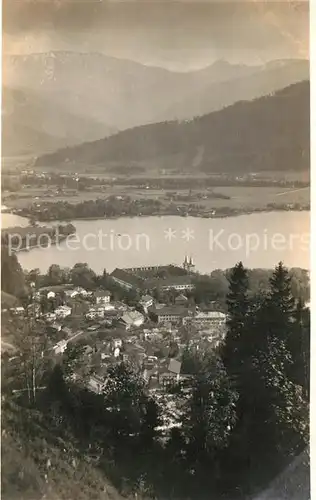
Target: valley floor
240,199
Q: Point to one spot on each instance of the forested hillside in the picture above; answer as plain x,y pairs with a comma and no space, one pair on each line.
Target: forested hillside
12,277
269,133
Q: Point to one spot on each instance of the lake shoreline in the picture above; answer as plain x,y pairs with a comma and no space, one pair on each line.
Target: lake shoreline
29,237
161,215
38,245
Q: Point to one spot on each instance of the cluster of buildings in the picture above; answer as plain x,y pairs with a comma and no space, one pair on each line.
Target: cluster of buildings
151,335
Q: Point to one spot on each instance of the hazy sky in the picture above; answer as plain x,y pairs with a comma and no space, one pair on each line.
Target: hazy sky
178,35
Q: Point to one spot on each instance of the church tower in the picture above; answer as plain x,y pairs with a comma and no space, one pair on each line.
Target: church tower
191,266
188,264
185,263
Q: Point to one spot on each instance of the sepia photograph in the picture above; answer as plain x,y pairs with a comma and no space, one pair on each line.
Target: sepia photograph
155,250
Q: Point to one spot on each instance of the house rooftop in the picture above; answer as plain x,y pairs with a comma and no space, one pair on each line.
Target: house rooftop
211,315
102,293
55,288
146,298
169,281
128,278
132,349
133,279
131,316
181,297
174,366
170,311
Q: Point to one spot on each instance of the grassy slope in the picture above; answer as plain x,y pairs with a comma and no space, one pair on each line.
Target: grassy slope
27,444
293,483
24,464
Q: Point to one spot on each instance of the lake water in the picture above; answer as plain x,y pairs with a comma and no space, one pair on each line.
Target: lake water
259,240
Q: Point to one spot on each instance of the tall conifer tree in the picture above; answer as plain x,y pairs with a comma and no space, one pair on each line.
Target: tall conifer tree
299,346
281,302
238,306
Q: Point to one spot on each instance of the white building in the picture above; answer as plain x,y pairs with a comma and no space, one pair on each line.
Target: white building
60,347
51,295
63,311
106,307
102,297
99,310
70,294
179,283
146,301
17,310
117,343
212,318
94,313
82,292
77,291
50,316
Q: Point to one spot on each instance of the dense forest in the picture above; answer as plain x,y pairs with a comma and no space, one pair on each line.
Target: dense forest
101,208
269,133
12,277
244,410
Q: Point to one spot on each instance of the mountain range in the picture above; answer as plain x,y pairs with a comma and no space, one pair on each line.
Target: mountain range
268,133
32,123
58,99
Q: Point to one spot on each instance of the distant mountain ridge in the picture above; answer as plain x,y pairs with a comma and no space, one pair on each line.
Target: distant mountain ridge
72,98
31,122
268,133
269,78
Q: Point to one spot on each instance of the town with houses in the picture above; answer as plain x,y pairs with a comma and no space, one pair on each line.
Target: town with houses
152,336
